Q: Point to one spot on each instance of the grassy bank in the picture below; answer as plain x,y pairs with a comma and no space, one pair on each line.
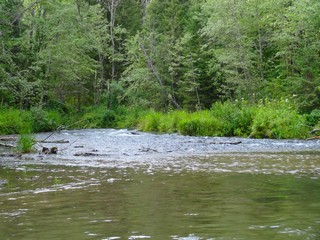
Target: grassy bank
276,120
271,120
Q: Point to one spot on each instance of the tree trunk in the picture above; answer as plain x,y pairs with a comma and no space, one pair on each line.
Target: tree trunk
156,74
240,49
261,56
111,6
113,46
145,4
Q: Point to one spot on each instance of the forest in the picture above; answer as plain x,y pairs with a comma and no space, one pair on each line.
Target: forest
198,67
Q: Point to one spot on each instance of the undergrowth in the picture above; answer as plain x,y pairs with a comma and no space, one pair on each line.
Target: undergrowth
268,119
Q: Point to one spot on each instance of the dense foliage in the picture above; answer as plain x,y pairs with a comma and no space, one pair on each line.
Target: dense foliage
276,119
62,55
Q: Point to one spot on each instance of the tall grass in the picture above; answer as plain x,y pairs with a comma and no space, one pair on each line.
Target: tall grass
279,120
25,143
268,119
222,120
14,121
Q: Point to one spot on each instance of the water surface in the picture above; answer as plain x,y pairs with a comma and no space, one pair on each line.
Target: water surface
146,186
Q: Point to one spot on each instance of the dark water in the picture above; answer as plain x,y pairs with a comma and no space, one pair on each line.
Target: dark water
158,188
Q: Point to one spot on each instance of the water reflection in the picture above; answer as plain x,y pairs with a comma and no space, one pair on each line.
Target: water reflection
257,198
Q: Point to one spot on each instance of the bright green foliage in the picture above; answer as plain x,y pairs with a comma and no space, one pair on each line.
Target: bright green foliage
128,117
170,122
14,121
200,124
267,47
25,143
44,121
50,52
151,122
91,118
313,118
100,117
234,119
269,120
275,120
71,44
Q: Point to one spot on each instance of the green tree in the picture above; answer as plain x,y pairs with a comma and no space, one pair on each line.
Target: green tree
229,36
163,25
73,37
11,64
297,42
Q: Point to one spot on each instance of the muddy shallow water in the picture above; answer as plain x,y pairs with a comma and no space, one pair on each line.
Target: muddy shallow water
122,184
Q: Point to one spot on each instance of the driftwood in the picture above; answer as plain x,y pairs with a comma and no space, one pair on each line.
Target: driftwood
313,138
86,154
90,154
315,131
8,139
143,149
57,141
228,143
7,145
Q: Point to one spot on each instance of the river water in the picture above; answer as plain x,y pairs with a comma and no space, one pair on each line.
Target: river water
120,184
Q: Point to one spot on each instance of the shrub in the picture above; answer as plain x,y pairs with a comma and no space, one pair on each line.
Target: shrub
92,118
108,119
170,122
313,118
151,122
13,121
190,127
199,127
56,106
128,117
283,123
235,119
43,121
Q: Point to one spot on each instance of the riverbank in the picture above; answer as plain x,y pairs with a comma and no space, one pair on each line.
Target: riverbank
274,120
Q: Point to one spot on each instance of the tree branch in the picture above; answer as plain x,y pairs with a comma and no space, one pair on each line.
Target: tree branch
156,74
18,16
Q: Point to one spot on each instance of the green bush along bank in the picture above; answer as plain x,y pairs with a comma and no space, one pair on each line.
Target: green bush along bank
268,119
14,121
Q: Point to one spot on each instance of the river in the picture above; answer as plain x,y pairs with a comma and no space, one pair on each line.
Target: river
123,184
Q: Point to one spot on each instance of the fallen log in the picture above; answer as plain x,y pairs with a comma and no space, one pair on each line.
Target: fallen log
86,154
229,143
315,131
7,145
90,154
313,138
57,141
8,139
